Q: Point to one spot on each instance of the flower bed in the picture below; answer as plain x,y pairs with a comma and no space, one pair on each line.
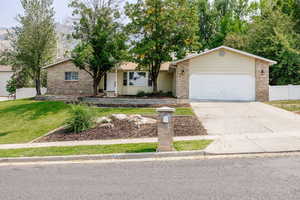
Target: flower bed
122,129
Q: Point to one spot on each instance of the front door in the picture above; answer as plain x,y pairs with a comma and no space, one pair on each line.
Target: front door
111,82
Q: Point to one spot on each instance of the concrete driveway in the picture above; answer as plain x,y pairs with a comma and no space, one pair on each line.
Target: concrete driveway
228,118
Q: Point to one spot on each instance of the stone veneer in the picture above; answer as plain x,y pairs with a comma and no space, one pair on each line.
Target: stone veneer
182,80
57,85
262,80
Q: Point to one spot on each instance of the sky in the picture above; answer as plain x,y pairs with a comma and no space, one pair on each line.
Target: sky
9,9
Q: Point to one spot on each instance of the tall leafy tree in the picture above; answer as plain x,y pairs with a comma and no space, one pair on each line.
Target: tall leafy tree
102,40
207,23
219,18
34,40
272,34
161,30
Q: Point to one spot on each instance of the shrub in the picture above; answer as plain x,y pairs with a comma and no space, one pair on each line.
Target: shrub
11,86
82,118
141,94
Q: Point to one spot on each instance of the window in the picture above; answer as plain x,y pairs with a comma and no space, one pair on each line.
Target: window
71,76
137,79
125,78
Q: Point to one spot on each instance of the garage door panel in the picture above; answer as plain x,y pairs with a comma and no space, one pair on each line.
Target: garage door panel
222,87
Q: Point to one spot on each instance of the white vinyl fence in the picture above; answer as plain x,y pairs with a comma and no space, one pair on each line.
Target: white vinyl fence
28,92
285,92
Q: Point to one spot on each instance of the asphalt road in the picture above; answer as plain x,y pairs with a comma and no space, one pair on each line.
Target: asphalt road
238,178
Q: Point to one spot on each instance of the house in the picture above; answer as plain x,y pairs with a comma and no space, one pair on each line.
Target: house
64,78
222,73
6,73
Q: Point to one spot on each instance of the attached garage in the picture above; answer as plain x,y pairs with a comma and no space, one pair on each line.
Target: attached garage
223,74
230,87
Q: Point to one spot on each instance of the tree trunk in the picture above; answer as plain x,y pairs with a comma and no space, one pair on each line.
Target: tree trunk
155,88
95,86
38,86
154,76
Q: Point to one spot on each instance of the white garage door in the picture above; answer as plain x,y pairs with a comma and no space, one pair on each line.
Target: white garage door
230,87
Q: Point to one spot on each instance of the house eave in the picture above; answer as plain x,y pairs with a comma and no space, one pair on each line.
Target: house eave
272,62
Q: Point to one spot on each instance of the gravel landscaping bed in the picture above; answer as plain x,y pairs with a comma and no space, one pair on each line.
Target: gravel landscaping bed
122,129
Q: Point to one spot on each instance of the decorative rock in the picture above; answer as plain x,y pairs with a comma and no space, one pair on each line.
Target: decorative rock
139,120
119,116
107,125
103,120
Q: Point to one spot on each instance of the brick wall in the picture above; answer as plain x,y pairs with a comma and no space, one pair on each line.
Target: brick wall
57,85
182,80
262,80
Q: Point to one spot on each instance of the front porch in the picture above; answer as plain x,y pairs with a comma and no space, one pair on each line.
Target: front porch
127,80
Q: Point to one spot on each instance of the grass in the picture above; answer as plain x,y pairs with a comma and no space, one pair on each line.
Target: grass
290,105
101,149
24,120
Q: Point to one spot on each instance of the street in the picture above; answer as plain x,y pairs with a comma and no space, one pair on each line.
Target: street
216,178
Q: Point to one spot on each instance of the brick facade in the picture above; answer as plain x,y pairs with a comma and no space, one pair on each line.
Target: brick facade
182,80
57,85
261,80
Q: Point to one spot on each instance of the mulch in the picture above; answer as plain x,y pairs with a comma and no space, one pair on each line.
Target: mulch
143,105
183,126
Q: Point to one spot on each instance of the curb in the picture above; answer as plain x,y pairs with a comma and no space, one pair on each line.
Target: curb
123,156
130,156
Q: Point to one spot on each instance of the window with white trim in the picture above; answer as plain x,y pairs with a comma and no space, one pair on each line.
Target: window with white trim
71,76
138,79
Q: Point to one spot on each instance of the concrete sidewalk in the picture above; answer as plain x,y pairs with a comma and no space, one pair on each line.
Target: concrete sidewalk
100,142
225,144
255,143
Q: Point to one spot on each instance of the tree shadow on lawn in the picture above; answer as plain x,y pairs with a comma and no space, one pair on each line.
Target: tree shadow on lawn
2,134
145,150
35,110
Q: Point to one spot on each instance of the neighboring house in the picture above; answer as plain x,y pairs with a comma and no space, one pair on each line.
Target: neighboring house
6,73
222,73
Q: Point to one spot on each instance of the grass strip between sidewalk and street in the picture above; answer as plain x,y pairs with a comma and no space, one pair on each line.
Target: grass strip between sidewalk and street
101,149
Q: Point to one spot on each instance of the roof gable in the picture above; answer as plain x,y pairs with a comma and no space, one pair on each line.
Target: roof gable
57,63
226,48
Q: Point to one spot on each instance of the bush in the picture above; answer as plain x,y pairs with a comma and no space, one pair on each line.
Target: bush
141,94
11,86
82,118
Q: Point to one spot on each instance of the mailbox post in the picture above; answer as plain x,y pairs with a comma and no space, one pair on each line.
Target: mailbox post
165,129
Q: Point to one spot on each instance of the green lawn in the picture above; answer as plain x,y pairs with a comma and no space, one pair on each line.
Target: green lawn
24,120
101,149
291,105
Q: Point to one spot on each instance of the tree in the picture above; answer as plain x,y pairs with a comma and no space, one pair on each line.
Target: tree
34,41
219,18
102,40
161,30
272,35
